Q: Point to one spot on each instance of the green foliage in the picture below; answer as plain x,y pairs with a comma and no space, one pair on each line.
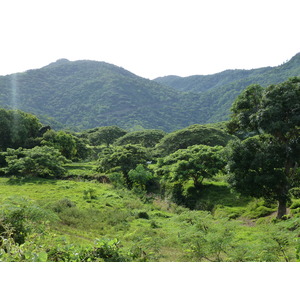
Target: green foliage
190,136
19,218
16,128
37,162
266,166
61,225
64,142
255,167
124,159
196,163
88,94
105,135
140,176
147,138
217,92
89,193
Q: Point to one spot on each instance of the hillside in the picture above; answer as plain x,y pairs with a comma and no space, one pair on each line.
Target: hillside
87,94
218,91
204,83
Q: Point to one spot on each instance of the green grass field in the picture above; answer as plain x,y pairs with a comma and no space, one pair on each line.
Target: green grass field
62,216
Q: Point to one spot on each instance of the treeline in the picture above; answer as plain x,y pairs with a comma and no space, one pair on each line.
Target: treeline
259,153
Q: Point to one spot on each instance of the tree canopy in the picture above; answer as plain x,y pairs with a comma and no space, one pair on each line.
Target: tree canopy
146,138
105,135
16,128
64,142
38,162
193,135
270,161
196,162
123,159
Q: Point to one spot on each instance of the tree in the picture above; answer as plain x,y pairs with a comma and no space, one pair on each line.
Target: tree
64,142
196,163
39,161
140,176
123,159
105,135
16,128
273,158
192,135
146,138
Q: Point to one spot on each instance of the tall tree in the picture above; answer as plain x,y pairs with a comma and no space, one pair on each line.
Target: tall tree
123,159
64,142
105,135
273,158
196,163
146,138
16,127
192,135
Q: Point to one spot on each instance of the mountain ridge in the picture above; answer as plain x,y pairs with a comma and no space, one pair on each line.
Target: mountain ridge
84,94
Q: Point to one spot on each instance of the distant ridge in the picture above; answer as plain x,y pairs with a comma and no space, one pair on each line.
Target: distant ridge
86,94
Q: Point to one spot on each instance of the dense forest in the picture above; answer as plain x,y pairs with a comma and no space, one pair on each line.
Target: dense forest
82,95
228,191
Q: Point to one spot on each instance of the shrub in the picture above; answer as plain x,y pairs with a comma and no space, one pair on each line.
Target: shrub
228,212
89,193
38,162
261,211
295,204
63,204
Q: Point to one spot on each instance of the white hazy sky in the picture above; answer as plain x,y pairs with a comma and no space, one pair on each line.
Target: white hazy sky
150,38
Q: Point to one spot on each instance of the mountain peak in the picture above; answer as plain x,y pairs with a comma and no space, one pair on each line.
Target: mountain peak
59,62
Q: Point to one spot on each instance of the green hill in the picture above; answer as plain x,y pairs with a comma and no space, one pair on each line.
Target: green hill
87,94
218,91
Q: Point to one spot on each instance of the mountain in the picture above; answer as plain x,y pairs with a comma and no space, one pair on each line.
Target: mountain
218,91
87,94
204,83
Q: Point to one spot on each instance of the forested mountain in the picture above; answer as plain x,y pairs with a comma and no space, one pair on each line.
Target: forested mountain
204,83
218,91
88,94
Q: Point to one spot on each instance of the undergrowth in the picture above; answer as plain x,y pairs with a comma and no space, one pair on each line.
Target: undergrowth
84,220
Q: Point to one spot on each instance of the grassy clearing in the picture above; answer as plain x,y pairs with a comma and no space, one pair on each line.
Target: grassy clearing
79,212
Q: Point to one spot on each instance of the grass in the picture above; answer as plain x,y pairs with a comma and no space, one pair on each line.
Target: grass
236,229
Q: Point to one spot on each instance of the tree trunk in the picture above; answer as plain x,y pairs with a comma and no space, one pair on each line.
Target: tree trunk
281,208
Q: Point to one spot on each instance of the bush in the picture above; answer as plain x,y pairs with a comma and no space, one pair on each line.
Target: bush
295,204
228,212
63,204
261,211
37,162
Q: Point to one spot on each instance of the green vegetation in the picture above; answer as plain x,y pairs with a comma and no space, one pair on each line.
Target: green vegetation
39,161
147,138
197,162
87,94
266,165
196,194
193,135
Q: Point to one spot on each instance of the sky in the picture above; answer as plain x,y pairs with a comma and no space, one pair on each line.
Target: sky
150,38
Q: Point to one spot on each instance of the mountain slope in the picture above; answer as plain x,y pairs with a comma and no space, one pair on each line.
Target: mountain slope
217,92
204,83
86,94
